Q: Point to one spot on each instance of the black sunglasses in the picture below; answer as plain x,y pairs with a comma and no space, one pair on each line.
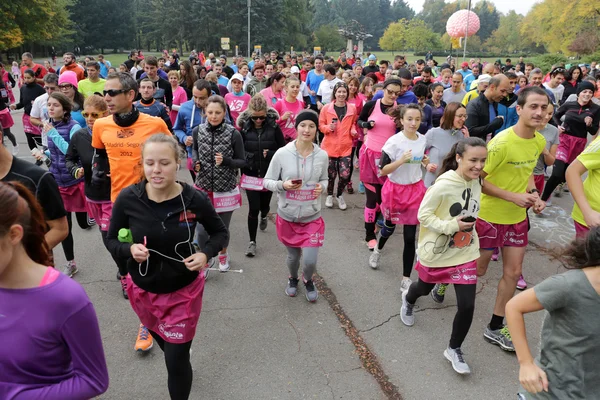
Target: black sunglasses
256,118
114,92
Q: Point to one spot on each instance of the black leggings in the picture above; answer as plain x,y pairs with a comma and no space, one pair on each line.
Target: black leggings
67,244
408,253
355,152
33,141
373,200
6,133
338,166
258,203
465,298
179,369
558,176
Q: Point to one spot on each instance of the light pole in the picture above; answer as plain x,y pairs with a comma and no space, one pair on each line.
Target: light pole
466,30
249,5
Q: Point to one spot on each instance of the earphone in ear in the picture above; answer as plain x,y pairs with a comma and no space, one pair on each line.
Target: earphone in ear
178,167
459,160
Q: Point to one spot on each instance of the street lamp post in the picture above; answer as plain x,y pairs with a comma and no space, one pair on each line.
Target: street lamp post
249,5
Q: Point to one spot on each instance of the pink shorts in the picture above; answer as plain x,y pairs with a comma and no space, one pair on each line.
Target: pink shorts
296,234
498,235
569,148
73,197
400,203
581,231
6,119
539,183
101,212
463,274
174,316
369,166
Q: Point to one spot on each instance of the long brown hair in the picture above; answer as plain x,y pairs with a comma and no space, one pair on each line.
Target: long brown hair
447,121
584,252
20,207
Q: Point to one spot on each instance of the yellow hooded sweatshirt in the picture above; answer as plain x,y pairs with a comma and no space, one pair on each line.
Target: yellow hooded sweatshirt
440,242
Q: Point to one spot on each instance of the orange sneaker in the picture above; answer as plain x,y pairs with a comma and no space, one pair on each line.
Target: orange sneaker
144,341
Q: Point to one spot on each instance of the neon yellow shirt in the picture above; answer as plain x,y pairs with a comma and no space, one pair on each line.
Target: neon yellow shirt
510,162
590,158
88,88
471,95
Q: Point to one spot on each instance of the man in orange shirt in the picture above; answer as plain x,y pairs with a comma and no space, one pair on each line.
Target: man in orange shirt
117,140
38,70
70,64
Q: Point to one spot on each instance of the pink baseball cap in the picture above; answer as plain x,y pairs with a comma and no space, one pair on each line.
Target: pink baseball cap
68,77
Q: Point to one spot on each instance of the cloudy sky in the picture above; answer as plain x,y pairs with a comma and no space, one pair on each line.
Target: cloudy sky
520,6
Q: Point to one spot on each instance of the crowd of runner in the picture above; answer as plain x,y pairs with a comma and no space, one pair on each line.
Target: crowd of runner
458,153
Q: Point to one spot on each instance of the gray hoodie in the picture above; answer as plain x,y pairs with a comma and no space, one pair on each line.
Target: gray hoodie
288,164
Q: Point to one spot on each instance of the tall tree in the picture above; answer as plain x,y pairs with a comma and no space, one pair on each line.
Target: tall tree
507,38
489,18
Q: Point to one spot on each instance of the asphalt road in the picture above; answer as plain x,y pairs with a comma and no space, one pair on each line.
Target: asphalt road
254,342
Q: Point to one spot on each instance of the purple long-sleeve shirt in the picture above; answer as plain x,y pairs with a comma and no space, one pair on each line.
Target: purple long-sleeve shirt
50,344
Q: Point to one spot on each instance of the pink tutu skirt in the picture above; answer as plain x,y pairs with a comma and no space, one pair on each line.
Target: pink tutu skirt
463,274
400,203
73,197
28,127
369,166
174,316
296,234
6,119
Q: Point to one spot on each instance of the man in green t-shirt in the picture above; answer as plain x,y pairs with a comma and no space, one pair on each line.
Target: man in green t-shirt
93,83
508,191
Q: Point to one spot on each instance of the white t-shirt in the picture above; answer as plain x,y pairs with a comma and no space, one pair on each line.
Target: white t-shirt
409,172
326,89
557,92
39,110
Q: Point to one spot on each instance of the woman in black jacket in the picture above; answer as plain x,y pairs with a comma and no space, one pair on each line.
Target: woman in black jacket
153,225
262,138
29,92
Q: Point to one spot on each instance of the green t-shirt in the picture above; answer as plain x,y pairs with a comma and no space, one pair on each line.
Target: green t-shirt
570,342
87,88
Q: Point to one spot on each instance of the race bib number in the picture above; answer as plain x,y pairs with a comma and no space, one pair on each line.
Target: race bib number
227,201
306,194
251,183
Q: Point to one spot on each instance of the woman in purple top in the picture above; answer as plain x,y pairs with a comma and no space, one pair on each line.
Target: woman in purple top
51,346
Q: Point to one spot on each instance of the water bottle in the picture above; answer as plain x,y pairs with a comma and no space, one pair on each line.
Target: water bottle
125,235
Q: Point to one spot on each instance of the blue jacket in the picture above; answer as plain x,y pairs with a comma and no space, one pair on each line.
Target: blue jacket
508,109
189,117
58,143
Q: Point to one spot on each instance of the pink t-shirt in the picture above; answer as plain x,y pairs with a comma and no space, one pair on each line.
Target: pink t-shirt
179,97
237,105
271,97
287,126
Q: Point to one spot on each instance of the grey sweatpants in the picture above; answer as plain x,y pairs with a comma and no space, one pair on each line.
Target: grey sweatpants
202,235
309,254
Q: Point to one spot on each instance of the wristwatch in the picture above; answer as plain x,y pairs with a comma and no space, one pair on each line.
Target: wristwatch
532,191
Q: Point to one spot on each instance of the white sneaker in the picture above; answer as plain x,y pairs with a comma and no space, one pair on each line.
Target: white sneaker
341,203
374,258
455,356
329,202
405,284
15,149
224,262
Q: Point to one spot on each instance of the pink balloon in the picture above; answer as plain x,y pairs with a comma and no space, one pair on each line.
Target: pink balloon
457,24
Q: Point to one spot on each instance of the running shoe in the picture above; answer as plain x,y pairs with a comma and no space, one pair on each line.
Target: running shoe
456,357
405,284
341,203
224,262
263,223
521,284
406,311
361,188
439,292
90,221
39,163
144,341
374,258
495,254
371,244
15,149
566,188
349,188
549,203
558,190
500,337
329,202
311,291
70,269
48,162
356,164
251,251
292,287
123,287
